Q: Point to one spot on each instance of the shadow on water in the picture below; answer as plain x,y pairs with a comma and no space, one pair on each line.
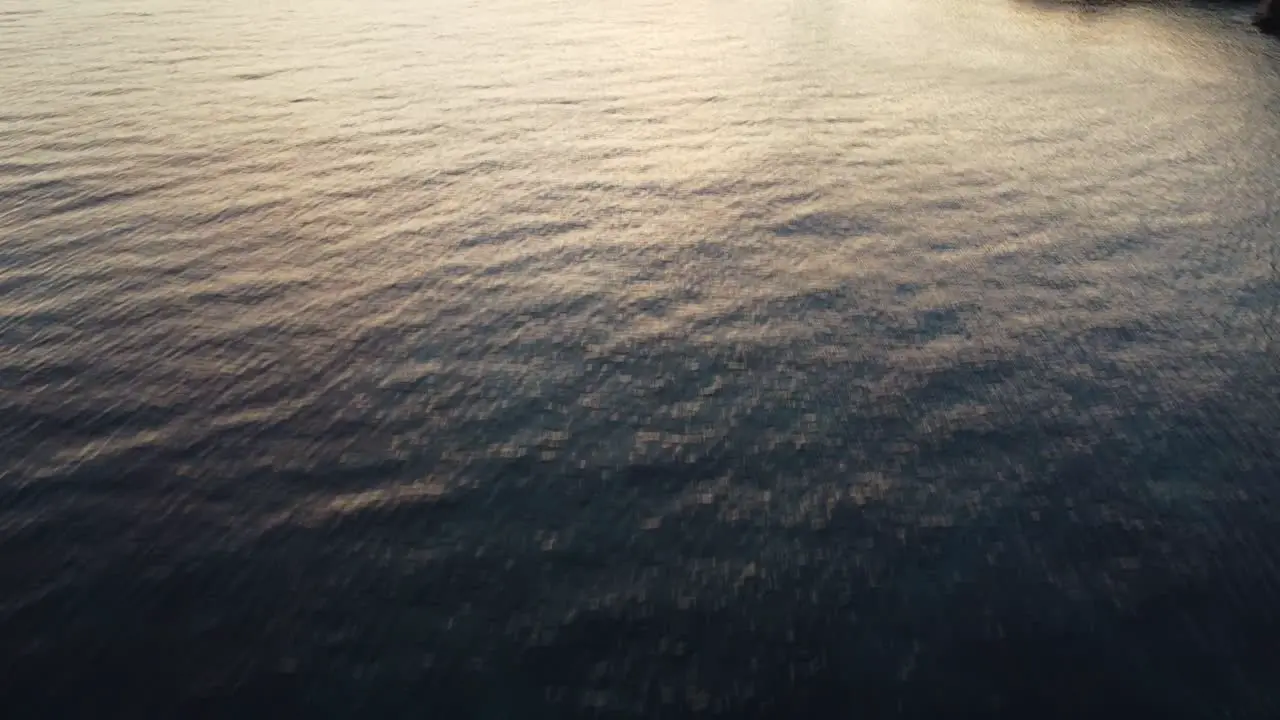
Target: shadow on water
1125,564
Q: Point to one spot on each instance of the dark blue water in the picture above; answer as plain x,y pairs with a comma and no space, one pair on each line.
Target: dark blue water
644,358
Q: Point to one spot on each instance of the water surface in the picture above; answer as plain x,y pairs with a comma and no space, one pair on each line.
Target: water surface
643,358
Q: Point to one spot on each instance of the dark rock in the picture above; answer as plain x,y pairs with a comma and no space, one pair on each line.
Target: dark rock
1268,17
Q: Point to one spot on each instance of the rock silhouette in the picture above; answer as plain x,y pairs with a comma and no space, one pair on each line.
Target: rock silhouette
1268,17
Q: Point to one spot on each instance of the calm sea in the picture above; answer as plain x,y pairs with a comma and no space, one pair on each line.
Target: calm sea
506,359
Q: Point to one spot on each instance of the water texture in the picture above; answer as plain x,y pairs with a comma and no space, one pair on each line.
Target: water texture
638,358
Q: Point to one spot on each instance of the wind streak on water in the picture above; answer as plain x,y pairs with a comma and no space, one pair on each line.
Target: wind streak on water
769,356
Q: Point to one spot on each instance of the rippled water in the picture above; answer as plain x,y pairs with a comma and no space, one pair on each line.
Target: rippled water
542,358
